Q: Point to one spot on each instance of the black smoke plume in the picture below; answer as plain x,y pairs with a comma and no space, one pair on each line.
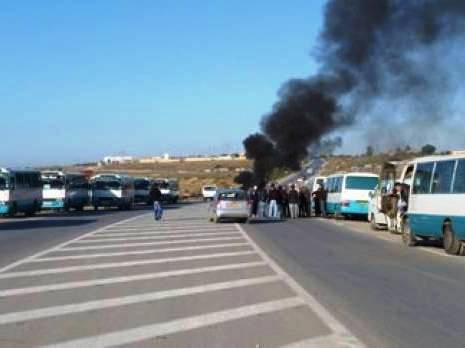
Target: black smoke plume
372,53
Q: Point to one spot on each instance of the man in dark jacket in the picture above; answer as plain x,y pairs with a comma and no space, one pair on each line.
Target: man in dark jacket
155,196
273,197
293,202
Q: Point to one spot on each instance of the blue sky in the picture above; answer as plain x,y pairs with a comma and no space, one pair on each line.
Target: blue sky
82,79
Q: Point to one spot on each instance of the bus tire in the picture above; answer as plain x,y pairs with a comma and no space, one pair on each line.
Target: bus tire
13,210
452,245
95,207
408,237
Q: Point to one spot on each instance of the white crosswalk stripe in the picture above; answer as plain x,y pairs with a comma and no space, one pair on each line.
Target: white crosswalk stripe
209,275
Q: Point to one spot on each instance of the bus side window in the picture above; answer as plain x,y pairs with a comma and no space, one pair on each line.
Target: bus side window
459,183
12,182
442,179
422,178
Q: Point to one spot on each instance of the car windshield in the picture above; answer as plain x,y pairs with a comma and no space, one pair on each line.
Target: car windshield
107,185
3,181
361,183
232,196
209,188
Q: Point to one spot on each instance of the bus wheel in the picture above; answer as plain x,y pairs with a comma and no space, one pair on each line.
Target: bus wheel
452,245
408,237
95,207
13,210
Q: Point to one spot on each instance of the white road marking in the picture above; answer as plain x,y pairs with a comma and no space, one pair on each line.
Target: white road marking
139,252
74,308
180,325
106,240
166,228
342,333
149,233
40,272
128,279
32,257
116,246
329,341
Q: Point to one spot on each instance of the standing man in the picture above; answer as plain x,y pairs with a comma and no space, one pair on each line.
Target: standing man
293,202
254,199
317,201
155,196
273,195
323,198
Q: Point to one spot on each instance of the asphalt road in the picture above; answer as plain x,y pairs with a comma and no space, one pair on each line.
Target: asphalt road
22,237
388,295
185,282
182,282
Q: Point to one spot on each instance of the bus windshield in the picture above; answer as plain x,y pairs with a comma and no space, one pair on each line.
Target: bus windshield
107,185
3,181
361,183
141,184
53,183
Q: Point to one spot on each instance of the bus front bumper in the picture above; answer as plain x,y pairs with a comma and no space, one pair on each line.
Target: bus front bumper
4,208
53,204
355,207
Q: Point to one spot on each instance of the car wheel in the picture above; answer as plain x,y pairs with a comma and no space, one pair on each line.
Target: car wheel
451,244
408,237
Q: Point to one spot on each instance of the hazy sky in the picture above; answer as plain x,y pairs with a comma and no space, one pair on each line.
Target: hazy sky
83,79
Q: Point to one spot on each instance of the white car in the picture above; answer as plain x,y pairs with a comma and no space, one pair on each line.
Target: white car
209,192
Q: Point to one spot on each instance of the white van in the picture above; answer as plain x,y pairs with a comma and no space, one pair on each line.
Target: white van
113,190
209,192
20,191
348,193
436,200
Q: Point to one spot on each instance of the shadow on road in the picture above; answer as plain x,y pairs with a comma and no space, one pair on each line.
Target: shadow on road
266,221
46,223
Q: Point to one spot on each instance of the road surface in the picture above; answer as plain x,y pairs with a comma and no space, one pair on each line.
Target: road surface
182,282
185,282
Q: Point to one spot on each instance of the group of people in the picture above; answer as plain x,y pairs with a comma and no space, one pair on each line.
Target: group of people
281,202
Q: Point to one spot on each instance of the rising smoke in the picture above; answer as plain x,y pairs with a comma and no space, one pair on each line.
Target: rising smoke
377,58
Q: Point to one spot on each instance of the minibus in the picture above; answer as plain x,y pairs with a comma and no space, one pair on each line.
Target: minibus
113,190
348,193
436,201
142,190
20,191
64,191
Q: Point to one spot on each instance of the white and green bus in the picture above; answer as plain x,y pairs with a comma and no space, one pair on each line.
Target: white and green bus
20,191
436,201
65,191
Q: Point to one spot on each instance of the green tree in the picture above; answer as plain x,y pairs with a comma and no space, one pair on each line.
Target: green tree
428,149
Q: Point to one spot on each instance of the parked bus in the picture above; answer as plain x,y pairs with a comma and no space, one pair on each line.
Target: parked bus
436,201
112,190
348,193
169,189
65,191
20,191
142,190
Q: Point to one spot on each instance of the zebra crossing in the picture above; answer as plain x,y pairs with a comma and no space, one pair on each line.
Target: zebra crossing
181,282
